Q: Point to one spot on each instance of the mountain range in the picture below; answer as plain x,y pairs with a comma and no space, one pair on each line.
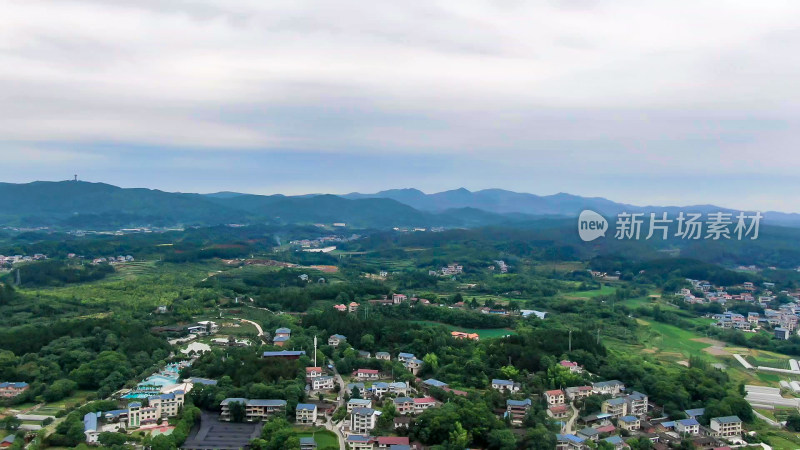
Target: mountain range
84,205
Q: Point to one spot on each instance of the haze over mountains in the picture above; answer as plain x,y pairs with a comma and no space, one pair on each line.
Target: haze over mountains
80,205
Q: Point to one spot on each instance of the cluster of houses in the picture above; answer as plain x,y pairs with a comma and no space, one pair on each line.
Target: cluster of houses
448,270
501,266
11,260
783,321
352,307
113,259
625,413
158,408
704,292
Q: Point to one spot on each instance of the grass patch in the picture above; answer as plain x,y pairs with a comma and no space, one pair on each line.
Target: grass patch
324,438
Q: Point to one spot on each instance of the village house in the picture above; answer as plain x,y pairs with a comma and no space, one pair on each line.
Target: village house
727,426
313,372
336,339
558,411
517,409
362,391
306,413
505,385
637,403
462,335
340,307
360,442
404,405
612,387
421,404
398,298
414,365
392,442
589,434
256,410
383,356
323,383
616,407
403,357
578,392
555,397
572,366
569,442
366,374
308,443
363,420
358,403
630,423
431,382
9,389
402,422
284,354
352,307
687,426
380,388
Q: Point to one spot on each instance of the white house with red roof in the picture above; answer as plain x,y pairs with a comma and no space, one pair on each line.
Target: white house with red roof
366,374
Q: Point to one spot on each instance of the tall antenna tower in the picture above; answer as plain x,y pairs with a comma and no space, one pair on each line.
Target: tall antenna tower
315,351
76,177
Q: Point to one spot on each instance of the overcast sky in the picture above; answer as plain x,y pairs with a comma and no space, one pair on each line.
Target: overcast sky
645,102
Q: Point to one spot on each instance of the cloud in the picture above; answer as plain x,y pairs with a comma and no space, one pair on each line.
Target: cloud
620,87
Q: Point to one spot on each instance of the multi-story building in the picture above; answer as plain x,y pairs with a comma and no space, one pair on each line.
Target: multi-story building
313,372
256,410
630,423
354,403
403,405
555,397
517,409
726,426
322,383
687,426
637,403
363,420
168,405
578,392
10,389
362,391
306,413
616,407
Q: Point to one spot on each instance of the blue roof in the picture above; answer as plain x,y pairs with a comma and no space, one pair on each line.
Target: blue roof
403,400
90,422
359,385
526,402
688,422
628,419
695,412
434,382
614,440
259,402
285,353
9,439
405,355
280,339
358,438
364,411
205,381
616,401
134,405
380,384
307,441
502,382
670,424
306,406
115,413
338,336
570,438
283,330
399,447
727,419
13,384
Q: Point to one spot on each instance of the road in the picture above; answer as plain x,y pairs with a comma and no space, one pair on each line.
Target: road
258,327
767,419
571,421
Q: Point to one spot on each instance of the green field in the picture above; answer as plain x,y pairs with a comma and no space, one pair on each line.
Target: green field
324,438
604,290
484,333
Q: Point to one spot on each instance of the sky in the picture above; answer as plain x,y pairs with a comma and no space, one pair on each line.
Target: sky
649,103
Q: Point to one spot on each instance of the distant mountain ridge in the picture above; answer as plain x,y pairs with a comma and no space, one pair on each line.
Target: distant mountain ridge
505,202
84,205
